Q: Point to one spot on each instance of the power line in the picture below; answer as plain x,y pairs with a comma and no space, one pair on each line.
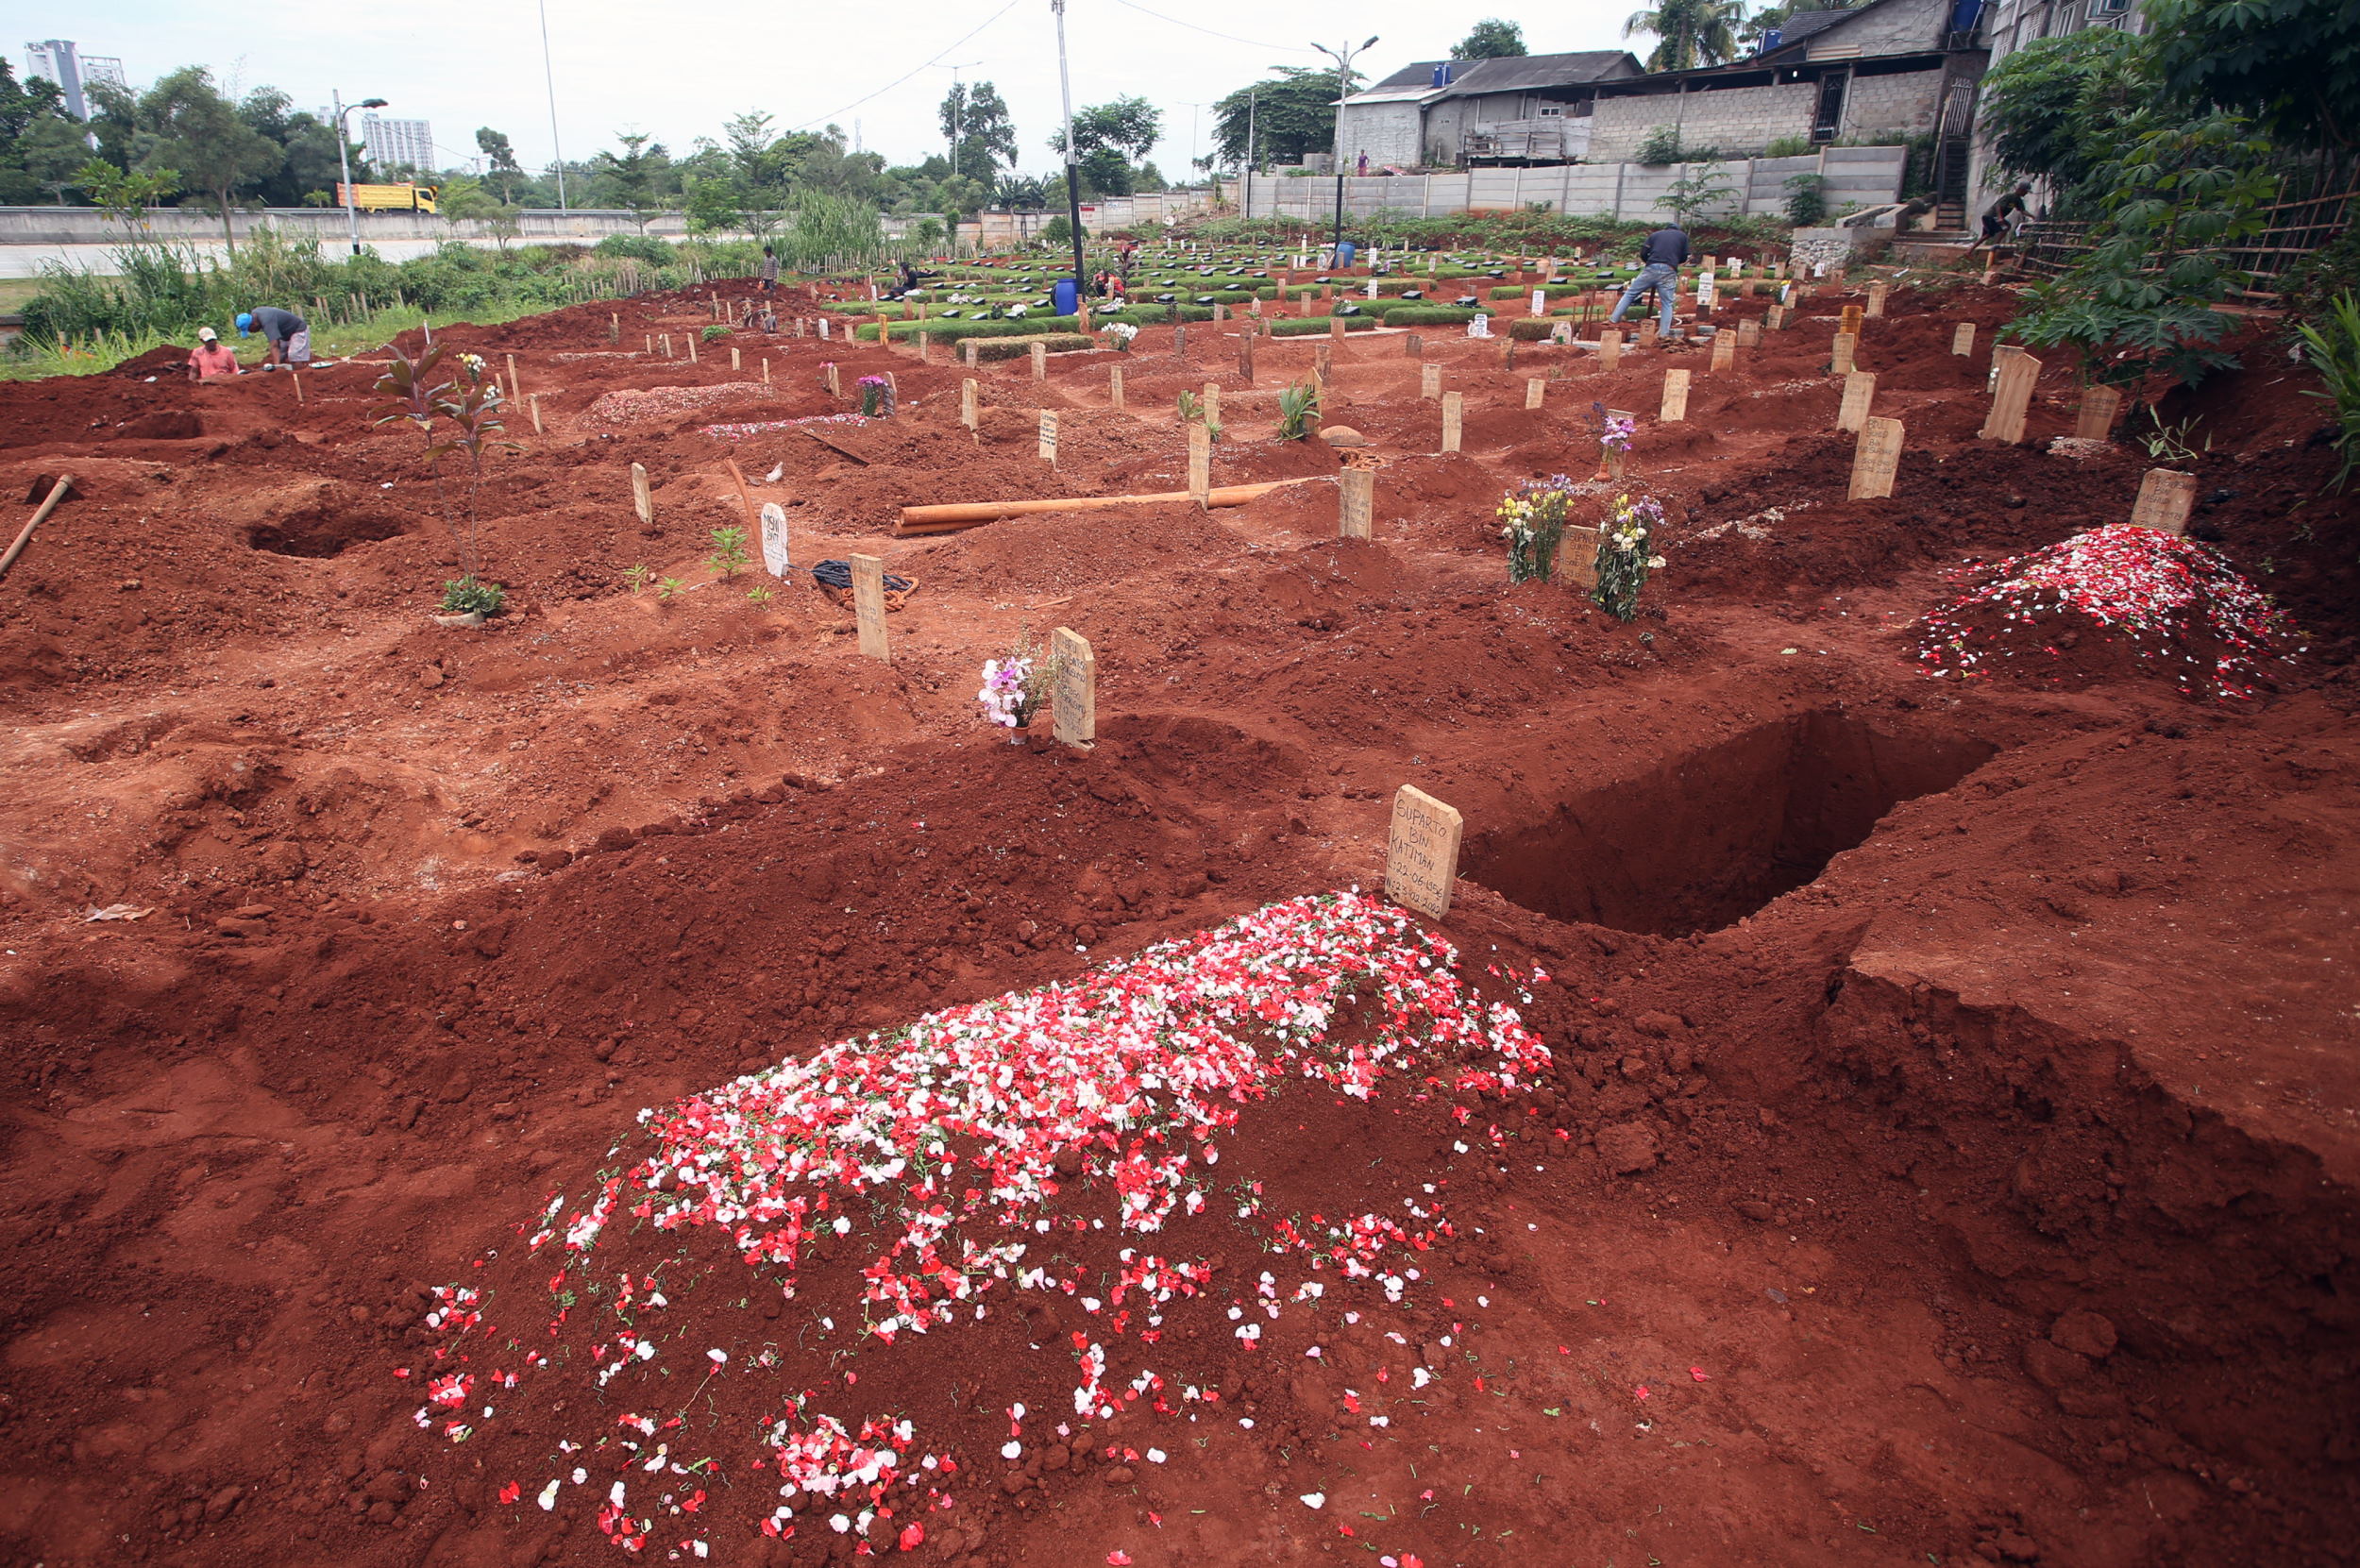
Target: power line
1283,48
896,81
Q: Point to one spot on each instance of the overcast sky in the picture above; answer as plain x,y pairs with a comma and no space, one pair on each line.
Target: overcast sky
679,71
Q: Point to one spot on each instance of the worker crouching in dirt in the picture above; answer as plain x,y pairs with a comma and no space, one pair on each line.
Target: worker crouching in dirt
287,337
759,317
211,360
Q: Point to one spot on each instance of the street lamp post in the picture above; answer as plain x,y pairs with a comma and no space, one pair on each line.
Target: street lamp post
1072,156
1343,90
343,162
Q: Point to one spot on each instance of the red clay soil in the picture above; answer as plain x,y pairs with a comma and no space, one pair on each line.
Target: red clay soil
1949,1149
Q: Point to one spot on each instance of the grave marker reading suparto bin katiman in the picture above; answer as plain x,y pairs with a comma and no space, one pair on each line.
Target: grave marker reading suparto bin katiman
2167,496
1422,852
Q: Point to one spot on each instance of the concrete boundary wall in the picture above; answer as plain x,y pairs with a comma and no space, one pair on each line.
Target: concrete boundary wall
1856,177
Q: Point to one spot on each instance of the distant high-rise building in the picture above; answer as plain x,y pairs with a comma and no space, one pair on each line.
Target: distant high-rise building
59,60
392,142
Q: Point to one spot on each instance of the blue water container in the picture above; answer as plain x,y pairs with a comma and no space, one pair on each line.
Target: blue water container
1344,254
1068,296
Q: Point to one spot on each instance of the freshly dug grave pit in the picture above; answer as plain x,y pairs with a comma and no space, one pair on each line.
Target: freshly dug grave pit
1705,840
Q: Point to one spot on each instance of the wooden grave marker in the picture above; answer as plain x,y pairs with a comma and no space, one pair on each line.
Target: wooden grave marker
1323,364
1040,361
1212,404
1876,291
1859,391
2095,420
834,381
642,497
775,558
1724,350
968,349
1841,357
1535,390
1430,382
968,413
1073,697
1200,465
1413,345
1876,459
868,608
2167,496
1356,504
1578,557
1245,357
1422,852
533,406
692,348
1649,331
1962,339
1114,386
1049,436
2012,399
515,387
1749,332
735,363
1675,410
766,370
1336,327
1610,347
1454,420
1850,321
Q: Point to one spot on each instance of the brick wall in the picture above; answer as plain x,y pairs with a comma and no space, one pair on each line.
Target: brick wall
1739,120
1903,104
1386,132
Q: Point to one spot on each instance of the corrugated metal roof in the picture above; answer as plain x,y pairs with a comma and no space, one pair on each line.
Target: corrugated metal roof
1518,74
1524,73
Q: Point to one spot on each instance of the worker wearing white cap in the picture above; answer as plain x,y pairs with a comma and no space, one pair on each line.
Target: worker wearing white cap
212,360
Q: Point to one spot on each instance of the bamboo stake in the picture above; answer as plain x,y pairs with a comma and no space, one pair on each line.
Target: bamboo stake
25,536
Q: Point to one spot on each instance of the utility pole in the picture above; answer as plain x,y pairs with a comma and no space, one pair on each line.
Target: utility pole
549,75
1343,90
1245,197
1072,154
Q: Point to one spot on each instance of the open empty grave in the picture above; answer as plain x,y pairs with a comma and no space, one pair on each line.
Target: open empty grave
1705,840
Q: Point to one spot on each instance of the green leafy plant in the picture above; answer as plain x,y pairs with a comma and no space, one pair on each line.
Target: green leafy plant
636,580
2142,298
1687,197
471,596
1807,201
1191,408
2331,345
728,555
667,587
2171,443
1298,404
714,333
758,594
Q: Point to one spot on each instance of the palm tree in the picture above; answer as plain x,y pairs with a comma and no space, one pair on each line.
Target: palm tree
1690,32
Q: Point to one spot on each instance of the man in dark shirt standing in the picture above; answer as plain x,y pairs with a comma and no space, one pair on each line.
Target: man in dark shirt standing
1660,257
289,335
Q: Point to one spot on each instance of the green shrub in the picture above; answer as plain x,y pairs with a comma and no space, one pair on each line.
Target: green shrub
1058,343
1419,314
715,332
639,247
470,596
2331,344
1303,326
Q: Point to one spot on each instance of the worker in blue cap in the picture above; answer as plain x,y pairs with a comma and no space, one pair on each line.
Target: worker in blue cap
289,337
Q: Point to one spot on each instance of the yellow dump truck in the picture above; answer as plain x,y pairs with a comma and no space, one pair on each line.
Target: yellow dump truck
387,198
